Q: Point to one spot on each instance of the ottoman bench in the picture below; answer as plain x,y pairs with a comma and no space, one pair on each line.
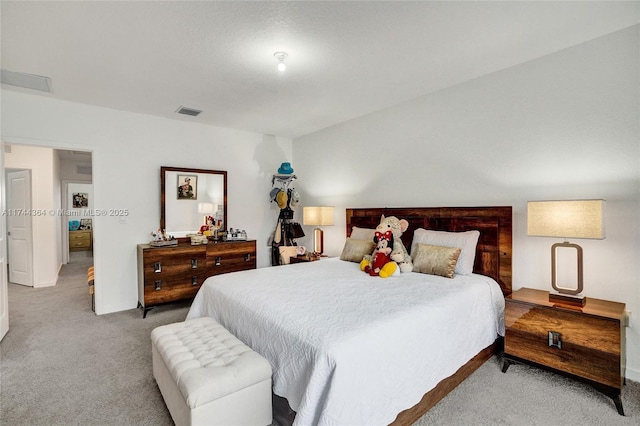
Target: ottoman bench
209,377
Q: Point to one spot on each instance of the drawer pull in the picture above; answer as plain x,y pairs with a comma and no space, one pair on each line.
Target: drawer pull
158,285
247,257
218,260
555,339
194,263
157,267
194,280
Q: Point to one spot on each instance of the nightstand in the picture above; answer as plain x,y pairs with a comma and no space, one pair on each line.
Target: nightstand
586,343
304,258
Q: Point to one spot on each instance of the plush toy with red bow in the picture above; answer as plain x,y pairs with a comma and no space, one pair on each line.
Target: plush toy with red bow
381,264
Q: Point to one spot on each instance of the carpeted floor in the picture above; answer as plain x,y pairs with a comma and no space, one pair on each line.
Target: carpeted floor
60,364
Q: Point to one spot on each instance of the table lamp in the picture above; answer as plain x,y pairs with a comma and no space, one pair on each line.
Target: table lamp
566,219
317,216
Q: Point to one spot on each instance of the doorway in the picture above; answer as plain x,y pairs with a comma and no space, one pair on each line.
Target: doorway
52,172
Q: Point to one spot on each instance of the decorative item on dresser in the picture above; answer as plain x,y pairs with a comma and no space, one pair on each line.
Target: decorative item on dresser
80,240
586,343
168,274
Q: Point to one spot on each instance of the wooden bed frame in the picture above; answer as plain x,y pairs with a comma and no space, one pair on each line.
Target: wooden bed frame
493,259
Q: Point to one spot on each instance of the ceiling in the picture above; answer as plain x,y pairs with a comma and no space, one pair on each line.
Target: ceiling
346,59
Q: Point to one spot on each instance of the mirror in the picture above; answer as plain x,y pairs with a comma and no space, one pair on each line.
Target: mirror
189,196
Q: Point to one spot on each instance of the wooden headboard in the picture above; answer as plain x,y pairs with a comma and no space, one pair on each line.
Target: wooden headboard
493,252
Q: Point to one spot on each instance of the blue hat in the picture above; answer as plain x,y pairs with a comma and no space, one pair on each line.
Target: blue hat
285,169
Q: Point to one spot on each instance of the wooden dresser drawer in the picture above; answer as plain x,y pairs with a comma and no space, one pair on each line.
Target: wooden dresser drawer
79,240
233,256
168,274
173,273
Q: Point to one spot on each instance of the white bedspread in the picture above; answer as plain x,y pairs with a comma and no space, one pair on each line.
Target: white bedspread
348,348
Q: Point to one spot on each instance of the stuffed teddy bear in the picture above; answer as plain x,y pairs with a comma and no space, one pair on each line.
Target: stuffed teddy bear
380,263
399,254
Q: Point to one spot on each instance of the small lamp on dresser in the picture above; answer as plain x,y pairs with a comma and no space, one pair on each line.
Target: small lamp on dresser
566,219
318,216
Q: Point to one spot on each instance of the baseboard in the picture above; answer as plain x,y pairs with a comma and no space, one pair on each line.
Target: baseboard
632,374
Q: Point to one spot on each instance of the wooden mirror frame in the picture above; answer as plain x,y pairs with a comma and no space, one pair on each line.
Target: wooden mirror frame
165,169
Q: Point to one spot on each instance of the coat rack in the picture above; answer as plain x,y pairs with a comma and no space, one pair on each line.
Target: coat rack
286,229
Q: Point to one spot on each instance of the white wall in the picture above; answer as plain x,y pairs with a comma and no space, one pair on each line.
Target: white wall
45,195
128,150
564,126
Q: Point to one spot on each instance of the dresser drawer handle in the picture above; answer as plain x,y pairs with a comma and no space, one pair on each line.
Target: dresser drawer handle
555,339
194,263
218,260
157,267
158,285
194,280
247,257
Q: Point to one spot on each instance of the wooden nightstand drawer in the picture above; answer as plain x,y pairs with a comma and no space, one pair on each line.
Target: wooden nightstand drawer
586,343
583,345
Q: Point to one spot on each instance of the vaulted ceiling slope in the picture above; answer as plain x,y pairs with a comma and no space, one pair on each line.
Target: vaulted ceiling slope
346,59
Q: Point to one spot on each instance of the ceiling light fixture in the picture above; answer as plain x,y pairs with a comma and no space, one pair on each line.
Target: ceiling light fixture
281,56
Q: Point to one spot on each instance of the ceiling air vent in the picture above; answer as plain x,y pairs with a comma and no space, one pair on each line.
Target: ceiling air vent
188,111
28,81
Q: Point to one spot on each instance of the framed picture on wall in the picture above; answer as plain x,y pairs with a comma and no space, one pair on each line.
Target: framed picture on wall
187,187
80,200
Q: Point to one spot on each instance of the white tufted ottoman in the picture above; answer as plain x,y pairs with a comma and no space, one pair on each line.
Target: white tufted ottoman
209,377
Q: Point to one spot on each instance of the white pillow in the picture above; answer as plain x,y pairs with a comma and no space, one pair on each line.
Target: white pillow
362,233
465,241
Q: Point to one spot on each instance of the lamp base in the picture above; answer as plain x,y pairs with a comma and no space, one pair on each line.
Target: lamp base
567,299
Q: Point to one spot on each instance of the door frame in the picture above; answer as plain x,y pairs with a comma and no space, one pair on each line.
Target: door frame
44,143
4,279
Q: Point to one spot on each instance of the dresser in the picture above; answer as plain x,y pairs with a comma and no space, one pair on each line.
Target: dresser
80,240
586,343
169,274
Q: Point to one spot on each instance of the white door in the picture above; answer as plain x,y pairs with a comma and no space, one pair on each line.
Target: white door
19,227
4,297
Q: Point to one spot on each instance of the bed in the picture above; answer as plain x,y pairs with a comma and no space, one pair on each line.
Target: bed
348,348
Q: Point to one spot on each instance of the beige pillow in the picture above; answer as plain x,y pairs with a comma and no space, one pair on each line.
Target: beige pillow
362,233
465,241
435,260
354,250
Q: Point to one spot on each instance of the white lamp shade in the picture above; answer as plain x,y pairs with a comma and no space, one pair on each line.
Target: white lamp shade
566,219
205,208
318,216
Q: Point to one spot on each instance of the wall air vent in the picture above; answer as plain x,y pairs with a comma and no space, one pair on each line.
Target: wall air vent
28,81
7,149
188,111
